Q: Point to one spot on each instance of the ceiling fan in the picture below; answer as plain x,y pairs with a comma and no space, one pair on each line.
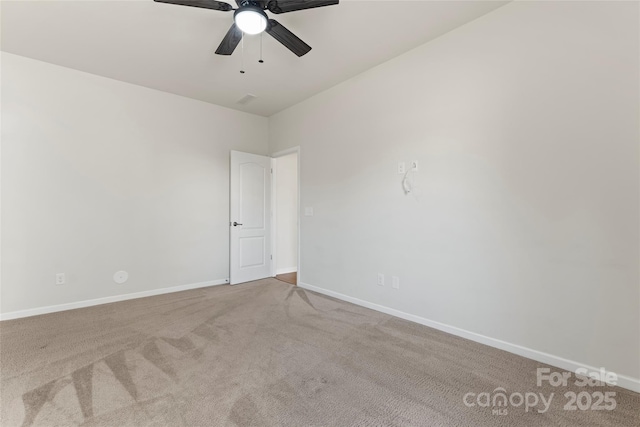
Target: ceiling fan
250,18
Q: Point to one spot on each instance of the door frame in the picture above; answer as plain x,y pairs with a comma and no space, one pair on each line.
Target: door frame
274,229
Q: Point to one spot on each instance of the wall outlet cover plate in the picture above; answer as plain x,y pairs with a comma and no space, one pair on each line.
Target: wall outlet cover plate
60,279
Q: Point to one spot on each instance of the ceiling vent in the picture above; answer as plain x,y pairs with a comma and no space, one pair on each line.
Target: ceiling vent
246,99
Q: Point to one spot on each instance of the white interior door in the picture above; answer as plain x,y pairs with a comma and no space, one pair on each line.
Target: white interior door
250,217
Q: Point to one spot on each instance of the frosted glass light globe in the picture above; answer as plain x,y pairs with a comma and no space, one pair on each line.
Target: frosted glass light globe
250,20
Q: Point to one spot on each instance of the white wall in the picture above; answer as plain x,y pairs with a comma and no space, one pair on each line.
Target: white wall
286,213
100,175
524,225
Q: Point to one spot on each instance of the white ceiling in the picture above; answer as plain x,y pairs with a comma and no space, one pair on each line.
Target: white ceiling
170,48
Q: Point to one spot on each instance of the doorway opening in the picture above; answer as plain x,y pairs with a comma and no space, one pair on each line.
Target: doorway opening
286,211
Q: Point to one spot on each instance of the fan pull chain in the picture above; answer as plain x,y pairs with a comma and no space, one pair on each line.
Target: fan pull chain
261,61
242,55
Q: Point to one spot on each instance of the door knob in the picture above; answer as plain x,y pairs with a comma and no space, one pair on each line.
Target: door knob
235,224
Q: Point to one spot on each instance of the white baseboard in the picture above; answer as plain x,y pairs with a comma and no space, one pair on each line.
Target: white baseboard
624,381
88,303
286,270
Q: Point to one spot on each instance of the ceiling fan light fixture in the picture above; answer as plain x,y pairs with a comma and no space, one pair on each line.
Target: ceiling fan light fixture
250,19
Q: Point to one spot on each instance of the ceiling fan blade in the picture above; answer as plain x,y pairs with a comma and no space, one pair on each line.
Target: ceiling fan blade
230,41
284,6
287,38
205,4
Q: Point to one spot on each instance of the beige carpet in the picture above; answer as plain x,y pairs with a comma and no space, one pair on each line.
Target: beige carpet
262,354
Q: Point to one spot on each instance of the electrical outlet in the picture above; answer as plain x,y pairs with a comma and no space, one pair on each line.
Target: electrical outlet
60,279
401,167
395,282
380,279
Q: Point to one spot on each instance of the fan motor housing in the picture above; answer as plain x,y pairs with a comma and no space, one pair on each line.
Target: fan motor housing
251,7
246,3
